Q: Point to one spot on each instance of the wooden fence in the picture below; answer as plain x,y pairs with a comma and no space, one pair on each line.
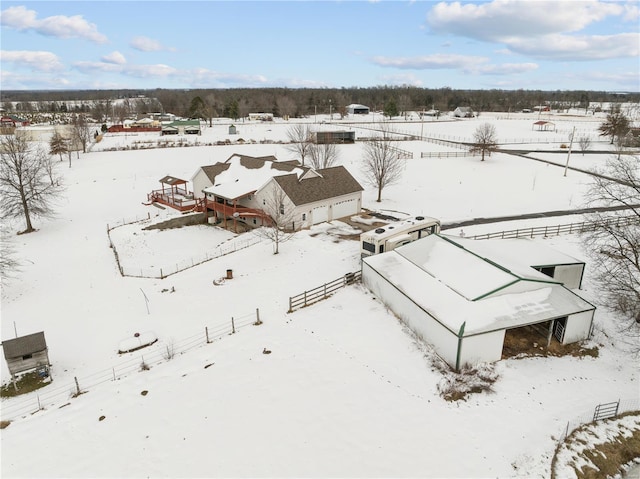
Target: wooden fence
446,154
322,292
559,229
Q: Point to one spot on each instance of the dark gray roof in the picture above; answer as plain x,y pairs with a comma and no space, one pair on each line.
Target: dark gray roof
333,182
32,343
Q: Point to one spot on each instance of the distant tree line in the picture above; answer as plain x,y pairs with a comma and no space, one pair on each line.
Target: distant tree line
286,102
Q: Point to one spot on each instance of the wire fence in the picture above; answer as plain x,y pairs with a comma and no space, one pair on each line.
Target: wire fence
161,272
158,353
613,409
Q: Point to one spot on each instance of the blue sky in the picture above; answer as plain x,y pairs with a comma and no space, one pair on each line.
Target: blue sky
503,44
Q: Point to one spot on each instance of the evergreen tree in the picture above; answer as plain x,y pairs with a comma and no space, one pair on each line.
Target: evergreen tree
390,108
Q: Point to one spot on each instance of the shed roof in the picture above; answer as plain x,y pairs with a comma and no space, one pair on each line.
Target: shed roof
329,183
172,181
456,286
29,344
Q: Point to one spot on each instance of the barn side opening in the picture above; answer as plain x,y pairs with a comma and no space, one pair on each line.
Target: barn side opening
535,339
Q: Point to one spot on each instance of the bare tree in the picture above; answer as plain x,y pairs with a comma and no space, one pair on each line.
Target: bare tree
286,106
28,184
282,218
382,165
81,132
323,155
8,262
485,140
301,140
614,247
584,142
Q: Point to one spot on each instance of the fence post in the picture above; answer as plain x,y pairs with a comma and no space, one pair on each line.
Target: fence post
233,326
38,399
114,373
77,386
206,334
258,317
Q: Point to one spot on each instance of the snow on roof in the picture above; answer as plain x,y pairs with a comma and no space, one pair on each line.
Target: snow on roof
239,179
455,286
465,273
518,255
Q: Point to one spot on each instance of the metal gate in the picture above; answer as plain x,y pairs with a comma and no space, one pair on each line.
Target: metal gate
558,329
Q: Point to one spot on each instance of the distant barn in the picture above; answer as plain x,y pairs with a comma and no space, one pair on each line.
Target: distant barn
355,109
323,137
26,353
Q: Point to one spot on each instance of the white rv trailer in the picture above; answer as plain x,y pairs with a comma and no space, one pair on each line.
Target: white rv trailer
392,235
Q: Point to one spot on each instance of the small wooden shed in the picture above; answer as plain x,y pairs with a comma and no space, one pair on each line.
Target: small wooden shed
26,353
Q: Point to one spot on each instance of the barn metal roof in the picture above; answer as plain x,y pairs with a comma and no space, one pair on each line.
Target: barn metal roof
29,344
456,286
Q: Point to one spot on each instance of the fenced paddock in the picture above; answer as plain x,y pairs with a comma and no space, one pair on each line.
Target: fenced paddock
59,395
166,270
322,292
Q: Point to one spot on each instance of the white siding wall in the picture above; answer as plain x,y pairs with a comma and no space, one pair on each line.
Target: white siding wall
200,181
444,342
570,275
578,326
482,348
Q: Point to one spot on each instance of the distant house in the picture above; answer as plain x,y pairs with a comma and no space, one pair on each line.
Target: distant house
12,121
261,116
340,136
541,108
542,125
469,298
232,130
26,353
240,189
463,112
356,109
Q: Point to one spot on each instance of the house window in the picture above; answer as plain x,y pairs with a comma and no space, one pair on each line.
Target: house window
249,197
264,202
304,216
281,209
27,356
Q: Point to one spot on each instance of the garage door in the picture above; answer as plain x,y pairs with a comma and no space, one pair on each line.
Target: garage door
319,214
345,208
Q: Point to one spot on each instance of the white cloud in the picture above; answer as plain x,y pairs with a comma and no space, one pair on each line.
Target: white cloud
18,17
429,62
465,63
97,67
115,57
401,80
35,60
503,19
16,81
150,71
542,29
580,48
145,44
58,26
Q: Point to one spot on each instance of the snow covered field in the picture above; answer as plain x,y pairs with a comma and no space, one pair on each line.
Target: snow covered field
346,390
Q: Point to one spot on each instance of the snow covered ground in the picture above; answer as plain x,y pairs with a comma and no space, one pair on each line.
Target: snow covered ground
346,390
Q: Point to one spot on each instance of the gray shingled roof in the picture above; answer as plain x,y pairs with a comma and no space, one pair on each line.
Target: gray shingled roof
32,343
335,181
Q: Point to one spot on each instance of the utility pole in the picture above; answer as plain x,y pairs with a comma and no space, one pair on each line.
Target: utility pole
566,167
